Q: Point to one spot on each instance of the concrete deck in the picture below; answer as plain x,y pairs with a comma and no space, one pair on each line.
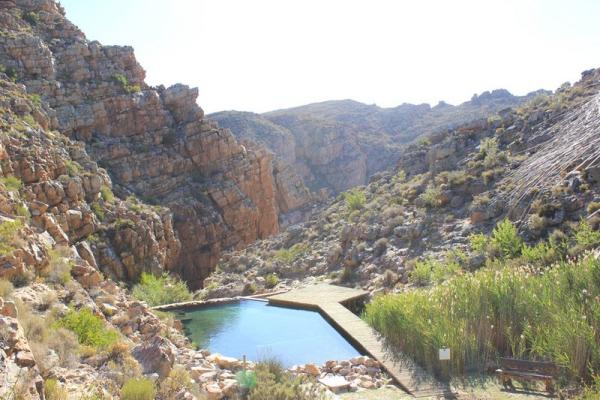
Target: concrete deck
328,299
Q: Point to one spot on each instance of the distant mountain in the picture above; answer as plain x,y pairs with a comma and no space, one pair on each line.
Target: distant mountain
338,144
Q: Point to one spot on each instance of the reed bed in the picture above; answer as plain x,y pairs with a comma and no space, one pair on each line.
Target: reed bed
550,313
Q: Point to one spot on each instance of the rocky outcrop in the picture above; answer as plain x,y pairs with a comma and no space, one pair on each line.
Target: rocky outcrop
19,375
335,145
154,142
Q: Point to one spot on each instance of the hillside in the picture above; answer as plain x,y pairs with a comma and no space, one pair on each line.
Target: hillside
445,188
336,145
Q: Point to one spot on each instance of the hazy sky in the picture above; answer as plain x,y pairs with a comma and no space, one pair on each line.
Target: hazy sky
260,55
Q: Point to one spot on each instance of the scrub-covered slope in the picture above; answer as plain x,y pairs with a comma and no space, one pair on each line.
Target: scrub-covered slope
445,188
336,145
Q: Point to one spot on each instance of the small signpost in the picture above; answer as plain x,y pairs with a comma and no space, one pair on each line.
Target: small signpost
444,357
444,354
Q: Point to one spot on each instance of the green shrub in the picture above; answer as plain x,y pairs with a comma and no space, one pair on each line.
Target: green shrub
291,254
138,389
478,242
31,17
107,194
8,236
593,207
178,379
500,311
35,99
246,380
421,274
22,210
73,168
274,383
59,266
98,211
432,196
125,85
433,271
164,289
271,280
11,183
355,199
89,328
585,236
54,390
489,151
506,239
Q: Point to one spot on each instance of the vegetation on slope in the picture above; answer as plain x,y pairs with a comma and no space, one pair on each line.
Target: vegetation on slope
164,289
519,305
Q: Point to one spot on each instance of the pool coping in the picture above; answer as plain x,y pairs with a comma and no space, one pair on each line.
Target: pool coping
329,301
208,302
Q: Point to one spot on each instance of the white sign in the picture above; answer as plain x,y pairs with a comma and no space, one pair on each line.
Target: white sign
444,354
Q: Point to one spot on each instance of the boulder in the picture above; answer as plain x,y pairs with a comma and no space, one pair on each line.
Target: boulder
155,355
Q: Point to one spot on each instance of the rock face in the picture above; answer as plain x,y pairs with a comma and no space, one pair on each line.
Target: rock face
336,145
19,374
154,142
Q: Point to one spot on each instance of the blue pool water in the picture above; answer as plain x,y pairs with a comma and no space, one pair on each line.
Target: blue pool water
260,331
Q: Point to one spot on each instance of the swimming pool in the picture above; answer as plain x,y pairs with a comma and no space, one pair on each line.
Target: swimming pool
259,331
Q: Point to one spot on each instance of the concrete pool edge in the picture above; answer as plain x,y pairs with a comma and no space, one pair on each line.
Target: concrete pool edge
221,300
329,300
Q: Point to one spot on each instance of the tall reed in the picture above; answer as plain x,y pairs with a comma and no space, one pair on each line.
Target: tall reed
550,313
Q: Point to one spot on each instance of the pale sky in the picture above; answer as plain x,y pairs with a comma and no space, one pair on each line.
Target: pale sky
260,55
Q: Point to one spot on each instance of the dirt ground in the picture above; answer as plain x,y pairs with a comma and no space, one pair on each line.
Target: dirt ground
471,388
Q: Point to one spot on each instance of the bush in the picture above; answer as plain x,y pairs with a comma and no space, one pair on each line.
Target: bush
73,168
355,199
31,17
177,380
390,278
54,390
98,211
421,274
432,196
8,235
11,183
138,389
432,270
506,240
22,210
6,288
502,311
59,266
291,254
125,85
90,329
478,242
271,280
488,150
107,194
164,289
585,236
274,383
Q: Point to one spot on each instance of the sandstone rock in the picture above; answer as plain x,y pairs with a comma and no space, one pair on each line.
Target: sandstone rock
214,392
312,369
224,361
155,355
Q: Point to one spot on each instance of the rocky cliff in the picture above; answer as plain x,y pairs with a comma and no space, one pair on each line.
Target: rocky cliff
154,142
444,189
336,145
